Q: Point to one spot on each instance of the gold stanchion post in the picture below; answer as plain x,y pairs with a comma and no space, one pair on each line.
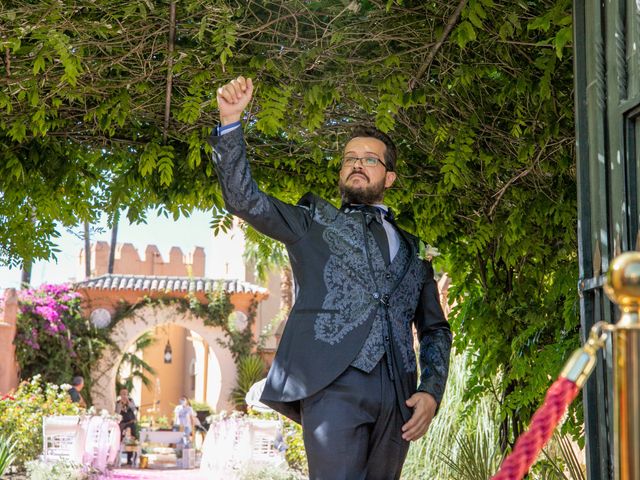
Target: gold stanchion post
623,288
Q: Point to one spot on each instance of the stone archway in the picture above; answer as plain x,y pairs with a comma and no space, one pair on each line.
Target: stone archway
125,333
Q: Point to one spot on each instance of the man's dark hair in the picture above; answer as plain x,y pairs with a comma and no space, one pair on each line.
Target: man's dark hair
77,381
390,153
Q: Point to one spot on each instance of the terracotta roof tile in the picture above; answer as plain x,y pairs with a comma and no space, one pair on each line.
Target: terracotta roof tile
154,283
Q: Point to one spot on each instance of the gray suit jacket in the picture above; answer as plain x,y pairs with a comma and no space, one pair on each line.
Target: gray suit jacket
349,302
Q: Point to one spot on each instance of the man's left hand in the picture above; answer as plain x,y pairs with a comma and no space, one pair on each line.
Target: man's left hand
424,408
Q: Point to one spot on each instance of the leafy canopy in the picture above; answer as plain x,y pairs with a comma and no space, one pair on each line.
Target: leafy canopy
477,94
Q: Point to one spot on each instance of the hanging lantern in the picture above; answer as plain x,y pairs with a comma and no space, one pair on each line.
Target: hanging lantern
168,356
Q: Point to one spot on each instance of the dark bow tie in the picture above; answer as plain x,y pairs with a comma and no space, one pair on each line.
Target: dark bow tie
371,211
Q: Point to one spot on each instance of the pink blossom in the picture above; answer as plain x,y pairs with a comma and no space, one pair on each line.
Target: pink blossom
47,307
48,312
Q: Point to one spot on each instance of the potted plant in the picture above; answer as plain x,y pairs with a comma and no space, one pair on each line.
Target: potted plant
145,422
202,409
144,457
162,423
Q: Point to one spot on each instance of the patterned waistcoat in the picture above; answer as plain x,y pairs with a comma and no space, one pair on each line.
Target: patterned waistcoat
378,341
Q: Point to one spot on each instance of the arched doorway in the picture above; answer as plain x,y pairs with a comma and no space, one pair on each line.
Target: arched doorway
222,371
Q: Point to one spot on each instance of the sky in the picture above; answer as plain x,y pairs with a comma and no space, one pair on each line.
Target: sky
185,233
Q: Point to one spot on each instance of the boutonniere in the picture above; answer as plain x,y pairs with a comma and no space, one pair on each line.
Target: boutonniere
426,251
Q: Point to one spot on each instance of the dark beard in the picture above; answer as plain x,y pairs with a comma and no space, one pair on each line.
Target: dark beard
369,195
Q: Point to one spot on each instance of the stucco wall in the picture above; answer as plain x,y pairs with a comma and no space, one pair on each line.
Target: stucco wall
8,364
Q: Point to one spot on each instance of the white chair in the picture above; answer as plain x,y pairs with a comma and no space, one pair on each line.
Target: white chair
60,438
264,435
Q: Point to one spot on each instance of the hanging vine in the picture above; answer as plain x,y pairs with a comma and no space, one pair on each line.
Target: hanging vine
217,312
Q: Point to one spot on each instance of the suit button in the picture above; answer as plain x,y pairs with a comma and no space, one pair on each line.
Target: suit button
385,298
376,295
388,276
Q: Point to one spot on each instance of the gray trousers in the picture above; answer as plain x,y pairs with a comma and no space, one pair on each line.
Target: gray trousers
352,428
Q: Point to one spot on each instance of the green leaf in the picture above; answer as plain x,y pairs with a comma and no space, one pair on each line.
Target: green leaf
540,23
465,33
336,37
18,131
148,159
165,167
193,157
506,31
562,38
274,104
13,167
38,64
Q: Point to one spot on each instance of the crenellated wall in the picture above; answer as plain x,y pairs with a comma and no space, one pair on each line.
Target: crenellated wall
128,260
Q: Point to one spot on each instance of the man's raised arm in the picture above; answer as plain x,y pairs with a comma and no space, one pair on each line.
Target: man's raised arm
241,194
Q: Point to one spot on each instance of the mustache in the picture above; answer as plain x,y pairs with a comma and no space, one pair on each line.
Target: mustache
358,172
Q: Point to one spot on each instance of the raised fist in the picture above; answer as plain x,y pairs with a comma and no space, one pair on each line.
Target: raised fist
233,98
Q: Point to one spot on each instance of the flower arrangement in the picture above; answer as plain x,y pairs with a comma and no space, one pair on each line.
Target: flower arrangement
427,252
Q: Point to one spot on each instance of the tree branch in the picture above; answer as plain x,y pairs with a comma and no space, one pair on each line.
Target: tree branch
7,62
511,181
171,43
453,19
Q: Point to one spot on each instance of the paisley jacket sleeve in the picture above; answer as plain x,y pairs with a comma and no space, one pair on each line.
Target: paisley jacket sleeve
434,335
243,198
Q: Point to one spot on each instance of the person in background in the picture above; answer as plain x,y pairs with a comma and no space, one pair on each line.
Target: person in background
184,416
126,408
77,384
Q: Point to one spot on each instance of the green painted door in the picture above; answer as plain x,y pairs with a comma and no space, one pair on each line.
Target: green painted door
607,91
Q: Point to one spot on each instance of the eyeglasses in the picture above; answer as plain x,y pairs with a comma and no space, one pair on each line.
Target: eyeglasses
367,162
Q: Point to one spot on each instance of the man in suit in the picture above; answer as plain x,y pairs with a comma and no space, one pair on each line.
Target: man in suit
345,367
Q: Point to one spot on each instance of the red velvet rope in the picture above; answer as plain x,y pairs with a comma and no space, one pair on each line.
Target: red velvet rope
543,423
